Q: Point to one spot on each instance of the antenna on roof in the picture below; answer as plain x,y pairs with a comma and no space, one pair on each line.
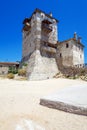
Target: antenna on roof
75,35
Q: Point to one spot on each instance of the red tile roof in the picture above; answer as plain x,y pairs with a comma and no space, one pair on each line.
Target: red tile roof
9,63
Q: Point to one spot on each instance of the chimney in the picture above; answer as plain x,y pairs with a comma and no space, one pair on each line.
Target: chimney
75,35
50,14
79,39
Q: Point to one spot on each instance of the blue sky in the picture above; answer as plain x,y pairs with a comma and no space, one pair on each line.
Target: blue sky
72,15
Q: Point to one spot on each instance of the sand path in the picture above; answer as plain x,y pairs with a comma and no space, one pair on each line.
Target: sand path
20,100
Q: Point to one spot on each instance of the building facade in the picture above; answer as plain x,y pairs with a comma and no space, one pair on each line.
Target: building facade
42,50
71,52
6,66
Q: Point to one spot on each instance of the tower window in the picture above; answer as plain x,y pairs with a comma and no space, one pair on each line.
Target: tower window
67,45
60,55
79,47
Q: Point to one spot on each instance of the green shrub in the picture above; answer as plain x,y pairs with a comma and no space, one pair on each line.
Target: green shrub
15,71
22,72
24,64
82,72
10,76
12,70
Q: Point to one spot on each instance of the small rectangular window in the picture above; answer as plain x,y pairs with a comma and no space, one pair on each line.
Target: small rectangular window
3,72
67,45
60,55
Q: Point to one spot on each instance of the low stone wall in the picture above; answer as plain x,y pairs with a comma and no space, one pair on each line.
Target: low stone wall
64,107
72,72
3,70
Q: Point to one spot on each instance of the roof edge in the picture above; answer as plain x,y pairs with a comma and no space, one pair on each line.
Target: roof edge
38,10
14,63
73,40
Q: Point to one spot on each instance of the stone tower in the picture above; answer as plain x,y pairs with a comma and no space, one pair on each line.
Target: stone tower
40,45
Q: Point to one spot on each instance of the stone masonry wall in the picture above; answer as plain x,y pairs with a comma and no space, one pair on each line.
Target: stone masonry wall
65,55
41,67
52,36
4,70
78,54
71,55
29,45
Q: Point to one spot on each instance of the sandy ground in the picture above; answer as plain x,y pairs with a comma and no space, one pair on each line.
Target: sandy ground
20,100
